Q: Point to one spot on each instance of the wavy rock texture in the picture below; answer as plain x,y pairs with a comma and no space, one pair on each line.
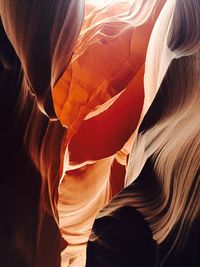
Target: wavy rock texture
106,97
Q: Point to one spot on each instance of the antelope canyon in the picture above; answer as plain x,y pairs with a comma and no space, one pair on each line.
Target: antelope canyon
100,133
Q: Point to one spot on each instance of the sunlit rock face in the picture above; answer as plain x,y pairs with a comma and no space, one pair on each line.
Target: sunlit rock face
109,53
99,98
